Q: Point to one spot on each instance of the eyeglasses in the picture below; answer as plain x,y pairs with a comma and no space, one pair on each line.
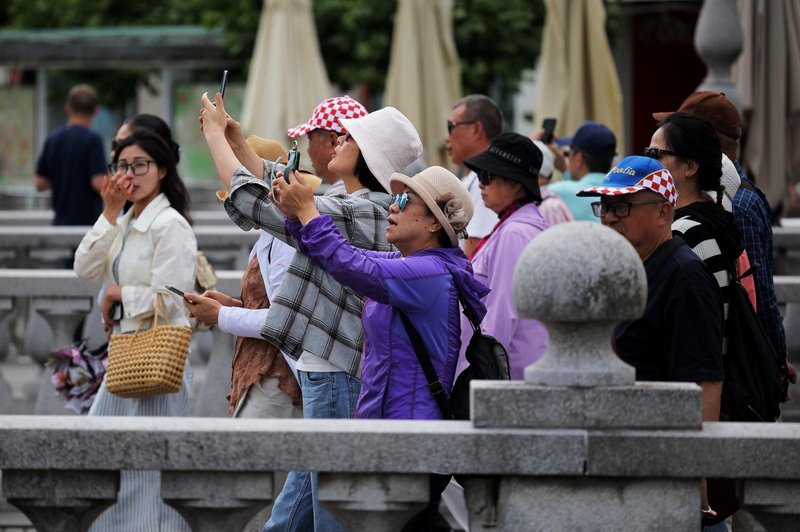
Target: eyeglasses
658,153
451,124
485,178
400,200
620,209
136,167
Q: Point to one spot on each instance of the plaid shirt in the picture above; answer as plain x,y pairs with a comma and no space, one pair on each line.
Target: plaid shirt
751,211
311,311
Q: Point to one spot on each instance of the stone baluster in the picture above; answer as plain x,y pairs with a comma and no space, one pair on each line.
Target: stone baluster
216,501
718,39
61,500
580,279
376,502
6,308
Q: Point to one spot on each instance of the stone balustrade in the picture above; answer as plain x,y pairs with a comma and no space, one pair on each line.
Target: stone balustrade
227,246
44,307
41,218
576,445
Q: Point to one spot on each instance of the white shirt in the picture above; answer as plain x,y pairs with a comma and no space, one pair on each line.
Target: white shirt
274,257
483,219
160,250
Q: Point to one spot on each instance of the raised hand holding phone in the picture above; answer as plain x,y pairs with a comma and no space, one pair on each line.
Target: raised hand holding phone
223,83
549,127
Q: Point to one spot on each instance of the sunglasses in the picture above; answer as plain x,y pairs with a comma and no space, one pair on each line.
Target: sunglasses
658,153
452,125
400,200
484,178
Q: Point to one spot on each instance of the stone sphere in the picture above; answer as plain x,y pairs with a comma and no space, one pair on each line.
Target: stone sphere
580,271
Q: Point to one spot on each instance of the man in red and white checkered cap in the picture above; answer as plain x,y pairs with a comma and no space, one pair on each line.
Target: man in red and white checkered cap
323,130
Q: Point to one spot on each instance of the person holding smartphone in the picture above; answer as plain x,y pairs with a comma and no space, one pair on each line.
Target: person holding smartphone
136,255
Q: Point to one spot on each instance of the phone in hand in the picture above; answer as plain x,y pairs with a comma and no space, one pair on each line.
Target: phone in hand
549,126
175,290
223,83
293,162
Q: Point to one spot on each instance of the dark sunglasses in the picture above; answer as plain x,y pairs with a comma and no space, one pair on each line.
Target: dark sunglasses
485,178
658,153
452,125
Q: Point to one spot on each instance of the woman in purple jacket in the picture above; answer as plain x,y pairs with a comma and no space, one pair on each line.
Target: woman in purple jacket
509,179
423,279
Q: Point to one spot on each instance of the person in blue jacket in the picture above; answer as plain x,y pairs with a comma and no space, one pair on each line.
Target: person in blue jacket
423,279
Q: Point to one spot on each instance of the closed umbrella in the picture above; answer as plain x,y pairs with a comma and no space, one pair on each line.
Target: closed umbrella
287,78
768,76
577,79
424,79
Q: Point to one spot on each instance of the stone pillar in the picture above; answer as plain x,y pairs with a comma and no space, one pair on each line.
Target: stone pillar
61,501
375,502
580,279
216,501
719,41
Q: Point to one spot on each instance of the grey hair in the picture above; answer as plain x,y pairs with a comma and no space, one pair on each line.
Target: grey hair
484,110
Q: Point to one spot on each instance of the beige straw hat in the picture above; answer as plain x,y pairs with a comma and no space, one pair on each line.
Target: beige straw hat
438,186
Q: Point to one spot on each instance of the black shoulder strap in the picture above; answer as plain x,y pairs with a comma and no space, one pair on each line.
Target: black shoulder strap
434,384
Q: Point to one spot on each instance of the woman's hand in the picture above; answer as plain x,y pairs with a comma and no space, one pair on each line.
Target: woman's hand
213,118
296,199
112,295
204,309
224,299
115,190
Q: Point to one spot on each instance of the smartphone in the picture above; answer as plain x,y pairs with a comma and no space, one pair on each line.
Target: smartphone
223,83
549,126
293,162
173,289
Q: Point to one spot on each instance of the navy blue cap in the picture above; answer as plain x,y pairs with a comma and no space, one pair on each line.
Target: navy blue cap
594,139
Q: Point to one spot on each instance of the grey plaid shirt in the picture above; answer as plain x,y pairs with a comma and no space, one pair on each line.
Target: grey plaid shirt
311,311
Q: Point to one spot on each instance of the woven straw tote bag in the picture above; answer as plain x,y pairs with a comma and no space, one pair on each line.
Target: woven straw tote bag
147,363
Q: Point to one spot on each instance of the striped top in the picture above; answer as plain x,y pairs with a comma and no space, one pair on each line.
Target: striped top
709,243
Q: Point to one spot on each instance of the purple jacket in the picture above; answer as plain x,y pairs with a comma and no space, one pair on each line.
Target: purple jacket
423,285
494,264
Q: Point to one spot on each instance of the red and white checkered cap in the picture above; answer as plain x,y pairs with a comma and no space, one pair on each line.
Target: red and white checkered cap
327,116
634,174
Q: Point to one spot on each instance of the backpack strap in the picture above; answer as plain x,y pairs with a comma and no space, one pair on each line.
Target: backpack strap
434,384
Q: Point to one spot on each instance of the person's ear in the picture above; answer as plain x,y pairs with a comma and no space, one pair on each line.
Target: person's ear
333,139
691,167
435,227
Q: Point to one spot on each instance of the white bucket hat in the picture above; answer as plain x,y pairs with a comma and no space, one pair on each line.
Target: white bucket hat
387,140
547,159
730,180
436,186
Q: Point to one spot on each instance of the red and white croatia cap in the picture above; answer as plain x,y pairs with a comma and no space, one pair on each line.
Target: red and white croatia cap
327,116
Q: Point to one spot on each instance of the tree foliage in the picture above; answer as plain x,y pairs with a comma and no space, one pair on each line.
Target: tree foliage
495,41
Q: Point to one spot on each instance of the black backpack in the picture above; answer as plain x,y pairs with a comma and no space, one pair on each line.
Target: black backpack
753,388
488,360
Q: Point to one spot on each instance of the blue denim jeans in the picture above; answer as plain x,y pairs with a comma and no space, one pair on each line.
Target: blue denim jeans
325,396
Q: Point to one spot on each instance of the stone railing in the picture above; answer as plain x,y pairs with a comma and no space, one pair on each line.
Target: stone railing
227,246
41,310
576,445
38,218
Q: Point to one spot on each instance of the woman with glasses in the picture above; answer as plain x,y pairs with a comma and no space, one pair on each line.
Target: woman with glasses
689,147
509,179
136,256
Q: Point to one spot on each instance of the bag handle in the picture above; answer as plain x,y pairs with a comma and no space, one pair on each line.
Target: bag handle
158,302
434,384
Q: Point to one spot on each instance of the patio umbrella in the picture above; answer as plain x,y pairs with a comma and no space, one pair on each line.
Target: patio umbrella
577,79
768,77
424,78
287,78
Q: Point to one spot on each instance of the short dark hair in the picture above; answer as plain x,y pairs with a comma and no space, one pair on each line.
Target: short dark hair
694,139
172,185
595,164
484,110
365,175
82,99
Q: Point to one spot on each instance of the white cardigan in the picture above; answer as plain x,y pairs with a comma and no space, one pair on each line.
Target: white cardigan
160,250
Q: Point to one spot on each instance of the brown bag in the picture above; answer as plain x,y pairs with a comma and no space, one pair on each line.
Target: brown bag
147,363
